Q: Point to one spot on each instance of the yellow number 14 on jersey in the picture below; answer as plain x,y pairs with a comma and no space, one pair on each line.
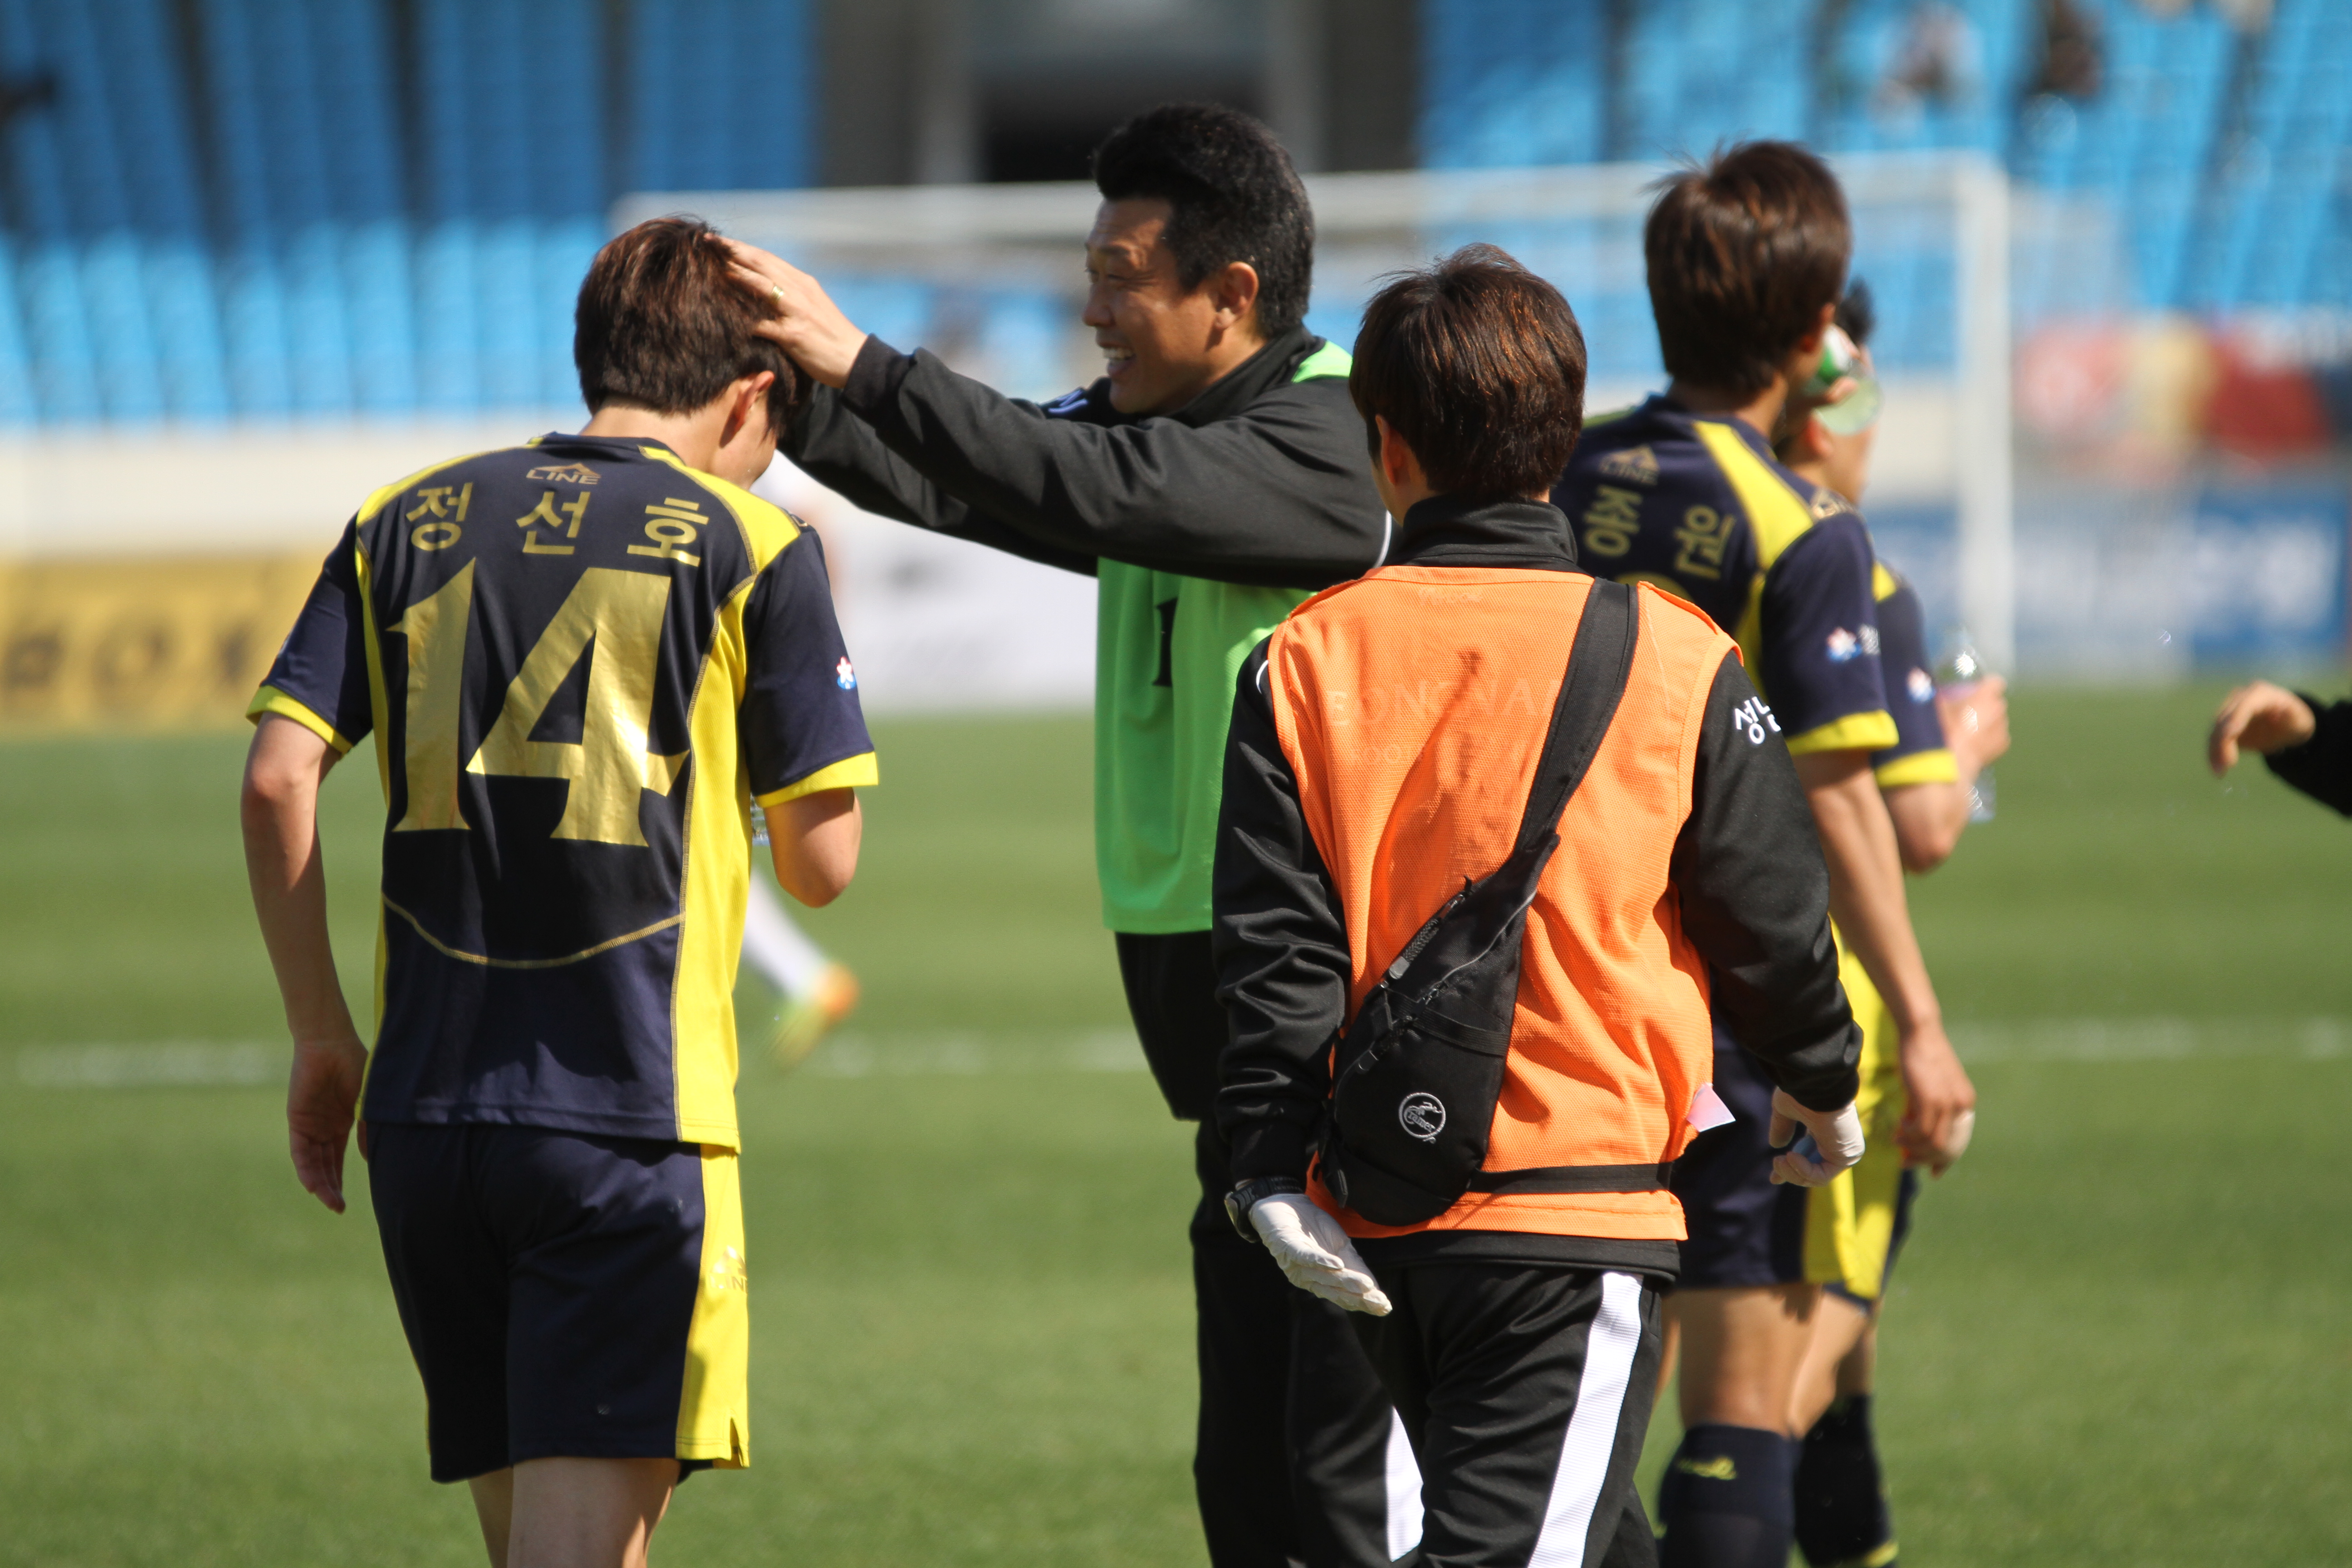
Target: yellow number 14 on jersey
620,613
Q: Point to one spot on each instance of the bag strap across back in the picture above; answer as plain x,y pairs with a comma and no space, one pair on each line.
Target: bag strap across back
1598,664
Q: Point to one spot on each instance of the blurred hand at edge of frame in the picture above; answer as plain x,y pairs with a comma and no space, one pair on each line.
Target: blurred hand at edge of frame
1315,1252
802,320
1837,1141
1975,724
2258,717
322,1096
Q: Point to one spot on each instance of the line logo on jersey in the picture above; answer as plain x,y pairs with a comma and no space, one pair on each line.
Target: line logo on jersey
1844,645
1638,464
845,675
1423,1115
1755,716
565,474
1069,403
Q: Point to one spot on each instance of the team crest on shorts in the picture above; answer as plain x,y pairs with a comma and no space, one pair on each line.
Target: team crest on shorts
1423,1115
845,675
1922,686
1842,646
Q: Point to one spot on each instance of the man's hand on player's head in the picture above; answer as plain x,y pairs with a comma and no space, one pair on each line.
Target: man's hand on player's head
1976,723
1941,1113
322,1096
2259,717
801,317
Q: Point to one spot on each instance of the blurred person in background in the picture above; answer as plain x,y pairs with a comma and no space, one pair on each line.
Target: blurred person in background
1861,1217
1523,894
1211,480
548,1111
813,992
1747,260
2308,743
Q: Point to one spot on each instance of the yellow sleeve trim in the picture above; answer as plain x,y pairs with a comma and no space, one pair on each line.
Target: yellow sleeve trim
1934,767
1883,583
269,700
1856,733
850,772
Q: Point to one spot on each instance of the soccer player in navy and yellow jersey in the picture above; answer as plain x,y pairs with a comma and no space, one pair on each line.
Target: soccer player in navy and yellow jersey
1854,1224
583,660
1746,258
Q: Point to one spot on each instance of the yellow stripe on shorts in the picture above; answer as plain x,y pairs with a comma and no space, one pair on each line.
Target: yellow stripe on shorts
713,1408
1850,1221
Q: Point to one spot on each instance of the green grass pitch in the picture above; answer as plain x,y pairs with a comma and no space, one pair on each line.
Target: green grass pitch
2119,1338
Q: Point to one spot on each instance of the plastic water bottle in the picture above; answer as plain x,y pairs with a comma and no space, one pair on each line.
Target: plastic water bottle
1960,674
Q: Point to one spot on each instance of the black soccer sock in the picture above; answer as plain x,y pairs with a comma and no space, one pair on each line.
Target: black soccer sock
1842,1520
1727,1500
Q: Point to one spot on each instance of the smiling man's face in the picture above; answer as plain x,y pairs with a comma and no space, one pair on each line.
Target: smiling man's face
1163,343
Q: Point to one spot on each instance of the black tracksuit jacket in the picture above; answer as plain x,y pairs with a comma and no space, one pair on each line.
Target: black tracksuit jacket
1262,480
2322,766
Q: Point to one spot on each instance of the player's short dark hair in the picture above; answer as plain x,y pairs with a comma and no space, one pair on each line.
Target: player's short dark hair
1479,365
1235,195
661,325
1743,251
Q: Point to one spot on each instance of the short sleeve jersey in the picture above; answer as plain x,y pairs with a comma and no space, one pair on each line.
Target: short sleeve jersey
582,662
1699,507
1920,754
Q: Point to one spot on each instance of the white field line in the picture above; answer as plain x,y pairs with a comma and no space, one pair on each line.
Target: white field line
2151,1039
955,1054
180,1064
174,1064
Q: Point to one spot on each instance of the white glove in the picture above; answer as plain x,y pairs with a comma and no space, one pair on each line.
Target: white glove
1316,1254
1837,1142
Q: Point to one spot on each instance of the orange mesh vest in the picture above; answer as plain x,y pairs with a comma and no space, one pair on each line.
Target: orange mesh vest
1411,705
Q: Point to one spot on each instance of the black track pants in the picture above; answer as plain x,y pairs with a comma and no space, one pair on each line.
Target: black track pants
1525,1391
1292,1456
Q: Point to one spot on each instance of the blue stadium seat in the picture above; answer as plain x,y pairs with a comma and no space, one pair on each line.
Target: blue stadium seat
17,406
745,64
447,300
1511,83
1704,71
566,247
2279,211
1858,109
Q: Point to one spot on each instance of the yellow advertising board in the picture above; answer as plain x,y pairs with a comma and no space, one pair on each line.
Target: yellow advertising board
141,642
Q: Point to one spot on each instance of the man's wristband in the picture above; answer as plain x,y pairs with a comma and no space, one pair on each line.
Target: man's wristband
1248,1194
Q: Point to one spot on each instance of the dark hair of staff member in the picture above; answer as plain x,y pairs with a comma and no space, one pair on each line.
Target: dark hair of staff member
1386,742
1208,480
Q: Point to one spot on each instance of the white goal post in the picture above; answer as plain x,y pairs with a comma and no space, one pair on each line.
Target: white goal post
989,277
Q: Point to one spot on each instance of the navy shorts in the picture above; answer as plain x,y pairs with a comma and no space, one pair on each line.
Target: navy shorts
565,1294
1744,1231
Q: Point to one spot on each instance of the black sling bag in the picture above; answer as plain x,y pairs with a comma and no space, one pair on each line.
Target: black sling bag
1418,1068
